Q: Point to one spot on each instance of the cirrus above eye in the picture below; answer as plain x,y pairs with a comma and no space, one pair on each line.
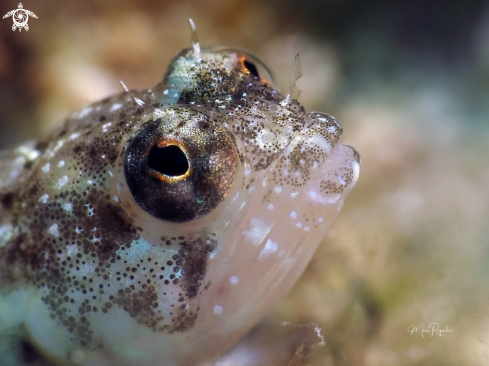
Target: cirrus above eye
180,166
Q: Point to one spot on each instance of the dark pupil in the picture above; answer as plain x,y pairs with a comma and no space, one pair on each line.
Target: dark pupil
251,68
168,160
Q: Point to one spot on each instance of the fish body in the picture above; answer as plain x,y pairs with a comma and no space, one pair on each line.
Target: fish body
156,227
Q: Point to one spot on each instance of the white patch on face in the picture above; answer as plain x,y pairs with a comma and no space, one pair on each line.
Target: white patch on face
105,126
270,207
46,167
218,309
258,232
44,198
270,247
50,153
115,107
242,205
72,250
53,230
278,189
233,280
6,234
61,164
62,181
323,200
293,214
67,207
85,111
74,136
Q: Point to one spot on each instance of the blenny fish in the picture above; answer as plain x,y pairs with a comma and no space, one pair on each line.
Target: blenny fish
156,227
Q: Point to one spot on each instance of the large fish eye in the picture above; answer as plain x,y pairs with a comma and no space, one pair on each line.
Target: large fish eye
180,166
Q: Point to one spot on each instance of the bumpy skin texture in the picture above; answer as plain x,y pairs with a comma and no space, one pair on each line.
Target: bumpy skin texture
105,259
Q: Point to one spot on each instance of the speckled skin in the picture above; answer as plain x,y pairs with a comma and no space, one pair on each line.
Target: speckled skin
91,275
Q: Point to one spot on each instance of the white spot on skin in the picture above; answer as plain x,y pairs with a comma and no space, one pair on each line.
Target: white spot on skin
233,280
44,198
105,126
6,234
270,247
278,189
67,207
218,309
85,111
115,107
294,194
242,205
323,200
46,167
53,230
299,225
258,231
28,153
306,228
293,214
270,207
331,129
50,153
72,250
74,136
110,173
62,181
61,164
158,113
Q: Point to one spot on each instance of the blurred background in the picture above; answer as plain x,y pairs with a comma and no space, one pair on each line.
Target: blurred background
409,81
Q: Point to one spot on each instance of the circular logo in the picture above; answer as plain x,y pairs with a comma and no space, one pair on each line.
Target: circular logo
20,18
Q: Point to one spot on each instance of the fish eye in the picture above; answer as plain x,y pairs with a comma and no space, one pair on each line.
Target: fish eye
181,166
168,160
251,67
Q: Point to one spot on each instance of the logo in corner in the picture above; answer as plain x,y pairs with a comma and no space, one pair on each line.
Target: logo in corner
20,17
